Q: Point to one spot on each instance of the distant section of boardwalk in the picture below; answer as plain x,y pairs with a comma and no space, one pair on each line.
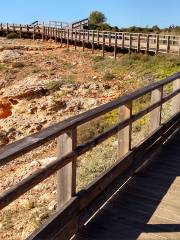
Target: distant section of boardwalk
115,41
148,208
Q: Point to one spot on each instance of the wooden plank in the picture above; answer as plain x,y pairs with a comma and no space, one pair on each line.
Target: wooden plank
66,177
155,117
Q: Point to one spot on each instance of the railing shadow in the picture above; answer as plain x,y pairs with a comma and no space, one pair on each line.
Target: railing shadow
148,208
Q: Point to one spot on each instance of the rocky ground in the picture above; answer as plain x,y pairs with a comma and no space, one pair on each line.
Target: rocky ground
41,84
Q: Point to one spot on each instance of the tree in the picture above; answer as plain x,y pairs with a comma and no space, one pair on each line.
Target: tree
156,29
96,18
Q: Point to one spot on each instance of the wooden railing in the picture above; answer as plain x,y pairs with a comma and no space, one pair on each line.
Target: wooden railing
157,43
74,209
82,24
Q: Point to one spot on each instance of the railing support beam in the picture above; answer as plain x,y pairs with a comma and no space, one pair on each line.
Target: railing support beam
124,136
176,99
155,116
66,177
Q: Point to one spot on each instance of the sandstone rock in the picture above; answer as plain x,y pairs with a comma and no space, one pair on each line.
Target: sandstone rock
5,108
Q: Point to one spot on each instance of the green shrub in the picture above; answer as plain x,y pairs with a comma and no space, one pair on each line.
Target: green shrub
1,66
12,35
53,85
108,76
97,58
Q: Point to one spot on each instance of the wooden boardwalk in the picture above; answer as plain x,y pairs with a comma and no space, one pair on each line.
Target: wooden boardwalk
149,206
106,40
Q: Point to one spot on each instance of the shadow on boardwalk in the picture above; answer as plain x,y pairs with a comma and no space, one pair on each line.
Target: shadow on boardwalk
149,207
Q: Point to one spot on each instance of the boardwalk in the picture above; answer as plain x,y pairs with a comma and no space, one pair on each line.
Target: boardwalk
148,208
116,41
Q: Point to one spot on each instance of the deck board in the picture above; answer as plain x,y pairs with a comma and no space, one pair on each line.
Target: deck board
148,208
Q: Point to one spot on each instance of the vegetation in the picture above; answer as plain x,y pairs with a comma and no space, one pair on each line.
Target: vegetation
96,18
97,21
142,67
1,66
12,35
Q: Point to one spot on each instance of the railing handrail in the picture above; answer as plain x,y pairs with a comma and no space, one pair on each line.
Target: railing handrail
13,150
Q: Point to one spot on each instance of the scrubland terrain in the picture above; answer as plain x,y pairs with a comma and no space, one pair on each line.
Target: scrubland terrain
42,84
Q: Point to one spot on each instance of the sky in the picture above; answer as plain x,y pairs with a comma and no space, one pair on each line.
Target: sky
121,13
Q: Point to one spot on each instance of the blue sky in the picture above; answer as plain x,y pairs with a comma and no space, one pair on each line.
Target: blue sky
118,12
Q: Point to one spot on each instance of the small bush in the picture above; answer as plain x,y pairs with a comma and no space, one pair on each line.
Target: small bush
53,85
12,35
18,65
97,58
1,66
108,76
68,79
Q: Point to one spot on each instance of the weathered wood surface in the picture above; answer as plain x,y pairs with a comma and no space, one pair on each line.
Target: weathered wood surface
157,43
148,208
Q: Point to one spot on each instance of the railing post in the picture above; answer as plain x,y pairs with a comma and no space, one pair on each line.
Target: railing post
43,32
168,44
103,43
138,42
75,40
93,41
115,46
33,33
176,99
68,38
157,43
130,43
155,115
123,40
56,35
124,135
147,46
20,31
97,37
83,41
110,38
61,38
66,177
